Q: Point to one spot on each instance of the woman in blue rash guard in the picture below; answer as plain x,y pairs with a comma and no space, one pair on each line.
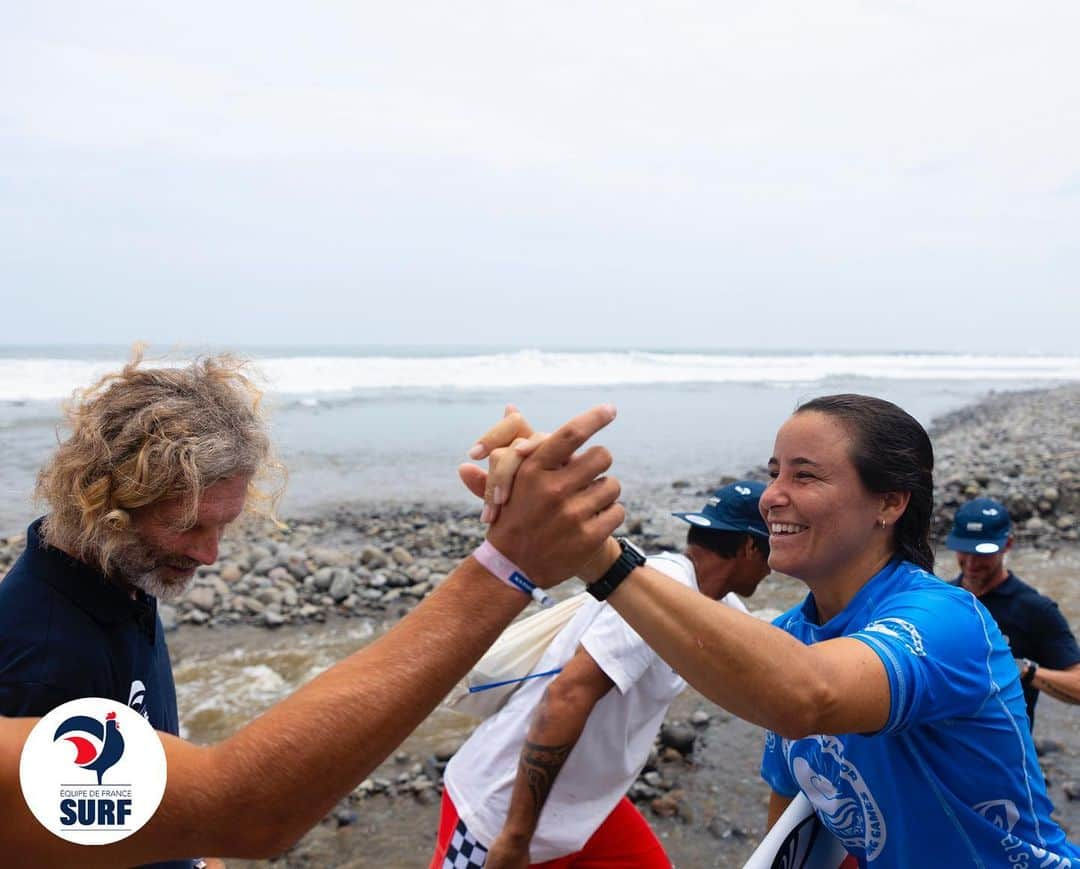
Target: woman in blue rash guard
890,698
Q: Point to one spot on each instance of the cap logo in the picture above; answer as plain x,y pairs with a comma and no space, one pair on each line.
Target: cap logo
743,490
990,511
987,548
974,526
697,520
712,502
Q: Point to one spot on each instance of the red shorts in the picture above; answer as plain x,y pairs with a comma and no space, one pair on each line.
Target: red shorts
624,839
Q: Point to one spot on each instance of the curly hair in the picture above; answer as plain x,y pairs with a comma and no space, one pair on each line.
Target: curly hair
141,435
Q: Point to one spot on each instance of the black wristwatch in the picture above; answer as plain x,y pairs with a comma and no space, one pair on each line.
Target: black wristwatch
1029,672
630,558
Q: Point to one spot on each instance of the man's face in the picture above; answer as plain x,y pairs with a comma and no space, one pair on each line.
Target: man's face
752,566
163,560
716,575
980,573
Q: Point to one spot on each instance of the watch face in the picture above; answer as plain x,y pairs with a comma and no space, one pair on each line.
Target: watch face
629,544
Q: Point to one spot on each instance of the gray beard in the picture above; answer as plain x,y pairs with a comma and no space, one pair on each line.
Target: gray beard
141,568
154,585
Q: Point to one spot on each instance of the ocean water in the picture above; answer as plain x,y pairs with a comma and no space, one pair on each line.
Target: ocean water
371,424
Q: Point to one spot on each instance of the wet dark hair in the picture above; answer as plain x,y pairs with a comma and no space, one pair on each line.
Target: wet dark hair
726,544
891,453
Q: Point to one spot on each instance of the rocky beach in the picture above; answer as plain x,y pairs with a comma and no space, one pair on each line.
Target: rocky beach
283,602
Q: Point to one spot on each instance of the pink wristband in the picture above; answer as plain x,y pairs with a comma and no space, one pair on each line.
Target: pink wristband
502,568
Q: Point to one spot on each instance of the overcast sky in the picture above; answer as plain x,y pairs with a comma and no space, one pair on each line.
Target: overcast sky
835,175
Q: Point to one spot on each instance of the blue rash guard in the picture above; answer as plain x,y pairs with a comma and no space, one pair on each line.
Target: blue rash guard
952,779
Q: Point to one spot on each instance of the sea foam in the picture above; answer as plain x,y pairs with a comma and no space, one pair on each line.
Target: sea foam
40,379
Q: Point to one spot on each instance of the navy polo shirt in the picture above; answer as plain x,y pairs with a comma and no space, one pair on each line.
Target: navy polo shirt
67,632
1033,627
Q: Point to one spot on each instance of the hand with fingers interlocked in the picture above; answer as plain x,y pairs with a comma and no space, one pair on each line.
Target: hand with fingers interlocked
563,508
505,445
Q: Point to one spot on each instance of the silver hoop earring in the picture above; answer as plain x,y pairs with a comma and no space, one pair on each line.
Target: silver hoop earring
881,522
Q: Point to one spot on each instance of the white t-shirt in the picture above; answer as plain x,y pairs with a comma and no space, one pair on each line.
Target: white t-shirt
613,746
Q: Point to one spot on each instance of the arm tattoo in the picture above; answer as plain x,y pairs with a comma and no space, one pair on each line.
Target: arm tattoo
541,764
1060,694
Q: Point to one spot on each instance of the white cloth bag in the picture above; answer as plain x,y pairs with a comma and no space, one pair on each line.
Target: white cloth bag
510,660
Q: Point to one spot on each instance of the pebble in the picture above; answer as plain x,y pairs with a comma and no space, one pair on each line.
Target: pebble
203,598
678,736
280,574
231,572
346,817
373,557
323,578
341,586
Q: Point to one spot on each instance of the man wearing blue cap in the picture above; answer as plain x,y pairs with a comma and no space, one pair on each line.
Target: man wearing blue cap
543,780
728,540
1038,635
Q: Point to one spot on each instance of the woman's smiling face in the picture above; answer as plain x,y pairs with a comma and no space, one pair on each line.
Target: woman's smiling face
823,522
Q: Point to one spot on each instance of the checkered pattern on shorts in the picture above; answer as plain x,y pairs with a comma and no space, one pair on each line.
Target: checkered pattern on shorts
464,852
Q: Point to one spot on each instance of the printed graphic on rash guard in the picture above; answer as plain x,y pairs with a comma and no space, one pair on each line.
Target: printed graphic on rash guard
1004,814
838,793
902,630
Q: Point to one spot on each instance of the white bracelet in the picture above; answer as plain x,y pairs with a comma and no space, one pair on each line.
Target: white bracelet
503,569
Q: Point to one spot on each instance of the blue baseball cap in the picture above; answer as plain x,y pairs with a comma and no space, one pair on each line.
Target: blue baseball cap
732,508
981,526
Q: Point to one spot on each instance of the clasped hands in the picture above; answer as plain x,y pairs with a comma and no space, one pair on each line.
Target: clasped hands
564,508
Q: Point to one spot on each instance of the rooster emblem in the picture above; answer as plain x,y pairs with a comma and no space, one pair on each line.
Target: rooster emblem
100,754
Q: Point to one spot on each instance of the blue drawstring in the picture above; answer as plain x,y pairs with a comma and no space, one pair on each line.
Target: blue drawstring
477,688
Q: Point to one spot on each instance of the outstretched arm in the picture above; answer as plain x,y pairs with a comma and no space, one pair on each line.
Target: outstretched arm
555,729
754,670
255,793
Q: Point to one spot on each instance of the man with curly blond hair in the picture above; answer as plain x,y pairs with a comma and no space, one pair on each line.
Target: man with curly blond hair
159,461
